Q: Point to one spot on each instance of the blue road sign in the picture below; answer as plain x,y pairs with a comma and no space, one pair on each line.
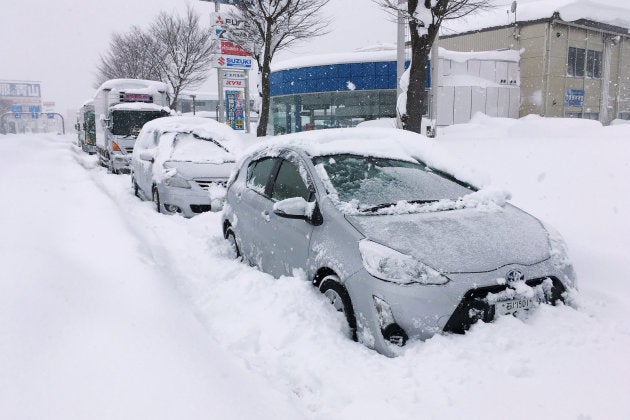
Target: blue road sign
35,109
17,116
51,115
35,115
16,109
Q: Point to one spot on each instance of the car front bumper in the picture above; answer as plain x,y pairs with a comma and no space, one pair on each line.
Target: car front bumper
189,201
425,310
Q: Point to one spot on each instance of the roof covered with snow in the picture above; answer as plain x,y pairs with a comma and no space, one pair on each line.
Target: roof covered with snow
135,85
373,141
139,106
203,127
568,11
388,54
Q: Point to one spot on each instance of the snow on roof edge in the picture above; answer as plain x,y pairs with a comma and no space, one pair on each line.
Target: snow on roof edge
540,10
389,55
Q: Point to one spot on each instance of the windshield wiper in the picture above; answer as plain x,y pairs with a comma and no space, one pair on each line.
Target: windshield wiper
385,205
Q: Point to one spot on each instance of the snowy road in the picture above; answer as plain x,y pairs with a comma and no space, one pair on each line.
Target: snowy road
110,310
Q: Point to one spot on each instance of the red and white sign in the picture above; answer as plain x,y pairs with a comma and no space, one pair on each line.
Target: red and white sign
234,83
231,48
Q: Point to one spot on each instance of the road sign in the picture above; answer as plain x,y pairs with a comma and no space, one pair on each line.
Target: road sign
51,115
232,62
16,109
34,109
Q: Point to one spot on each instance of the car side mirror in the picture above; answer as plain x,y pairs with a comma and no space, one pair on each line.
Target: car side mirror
147,156
294,208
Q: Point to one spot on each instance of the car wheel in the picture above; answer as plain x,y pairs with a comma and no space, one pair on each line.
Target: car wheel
340,299
156,200
231,238
136,191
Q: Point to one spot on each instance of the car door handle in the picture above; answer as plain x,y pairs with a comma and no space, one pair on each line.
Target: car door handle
265,215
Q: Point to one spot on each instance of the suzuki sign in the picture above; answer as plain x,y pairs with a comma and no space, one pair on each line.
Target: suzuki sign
232,62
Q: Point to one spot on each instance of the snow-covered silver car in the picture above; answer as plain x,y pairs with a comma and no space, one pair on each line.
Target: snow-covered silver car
183,164
405,249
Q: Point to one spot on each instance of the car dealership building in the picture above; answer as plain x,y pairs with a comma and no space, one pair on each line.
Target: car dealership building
343,90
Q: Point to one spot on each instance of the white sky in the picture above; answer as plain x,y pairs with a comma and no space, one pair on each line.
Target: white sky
59,42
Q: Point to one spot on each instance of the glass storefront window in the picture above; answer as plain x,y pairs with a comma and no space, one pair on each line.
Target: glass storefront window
315,111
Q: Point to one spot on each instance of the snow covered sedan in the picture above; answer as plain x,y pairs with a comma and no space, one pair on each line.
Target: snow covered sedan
183,164
393,235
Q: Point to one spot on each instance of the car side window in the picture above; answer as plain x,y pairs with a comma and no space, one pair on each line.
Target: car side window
289,183
141,142
259,172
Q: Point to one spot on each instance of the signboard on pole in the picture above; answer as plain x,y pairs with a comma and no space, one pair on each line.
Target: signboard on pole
232,62
234,75
234,83
234,110
20,89
231,48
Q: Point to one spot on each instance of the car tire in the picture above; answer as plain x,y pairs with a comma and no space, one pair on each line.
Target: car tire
339,297
231,238
156,200
136,189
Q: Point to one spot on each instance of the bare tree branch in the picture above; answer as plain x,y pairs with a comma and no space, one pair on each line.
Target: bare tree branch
175,49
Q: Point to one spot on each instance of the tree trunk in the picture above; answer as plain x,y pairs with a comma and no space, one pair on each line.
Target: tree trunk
263,119
420,49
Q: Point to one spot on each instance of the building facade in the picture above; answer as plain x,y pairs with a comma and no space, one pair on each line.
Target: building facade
343,90
576,67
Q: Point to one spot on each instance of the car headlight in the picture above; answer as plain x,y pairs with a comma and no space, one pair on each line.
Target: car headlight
176,181
390,265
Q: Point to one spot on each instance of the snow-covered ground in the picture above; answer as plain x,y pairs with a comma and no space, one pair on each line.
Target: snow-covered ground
110,310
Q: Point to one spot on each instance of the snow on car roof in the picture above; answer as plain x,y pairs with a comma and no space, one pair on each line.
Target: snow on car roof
203,127
135,85
380,142
568,10
139,106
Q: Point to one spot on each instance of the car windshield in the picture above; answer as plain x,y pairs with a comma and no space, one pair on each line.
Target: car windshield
191,147
371,183
129,123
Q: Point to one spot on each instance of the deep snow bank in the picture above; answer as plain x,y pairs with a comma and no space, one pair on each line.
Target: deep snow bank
279,335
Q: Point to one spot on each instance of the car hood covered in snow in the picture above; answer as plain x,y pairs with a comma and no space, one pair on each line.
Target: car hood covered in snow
465,240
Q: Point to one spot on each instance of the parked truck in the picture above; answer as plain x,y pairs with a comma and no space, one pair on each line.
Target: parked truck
86,132
122,107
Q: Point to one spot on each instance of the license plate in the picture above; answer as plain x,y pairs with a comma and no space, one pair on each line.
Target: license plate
509,307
